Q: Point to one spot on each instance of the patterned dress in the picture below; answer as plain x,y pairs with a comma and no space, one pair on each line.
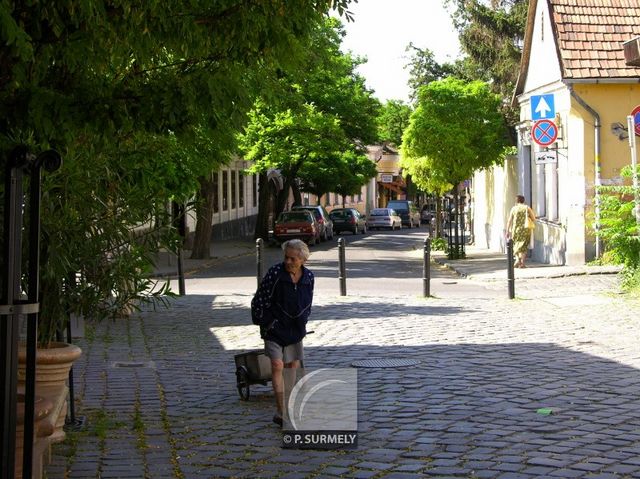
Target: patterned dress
520,234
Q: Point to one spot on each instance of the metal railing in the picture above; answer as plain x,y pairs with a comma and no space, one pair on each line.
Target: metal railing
20,297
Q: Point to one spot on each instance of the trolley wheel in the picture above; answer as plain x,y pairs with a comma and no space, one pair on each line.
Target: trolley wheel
242,381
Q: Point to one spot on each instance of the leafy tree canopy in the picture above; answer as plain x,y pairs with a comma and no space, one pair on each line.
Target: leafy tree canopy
356,170
140,98
323,123
455,129
392,121
423,69
491,35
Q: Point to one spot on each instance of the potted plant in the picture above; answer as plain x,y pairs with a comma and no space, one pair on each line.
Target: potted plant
99,235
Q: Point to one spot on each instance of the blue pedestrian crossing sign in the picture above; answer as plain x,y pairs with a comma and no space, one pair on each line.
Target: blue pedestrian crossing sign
542,107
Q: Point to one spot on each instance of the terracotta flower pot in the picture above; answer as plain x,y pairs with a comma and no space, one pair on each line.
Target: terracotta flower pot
52,371
52,364
43,408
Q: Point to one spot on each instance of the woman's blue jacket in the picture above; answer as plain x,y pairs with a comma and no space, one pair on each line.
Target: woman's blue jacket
280,307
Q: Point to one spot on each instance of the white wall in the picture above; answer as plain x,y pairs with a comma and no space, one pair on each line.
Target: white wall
544,66
493,192
234,209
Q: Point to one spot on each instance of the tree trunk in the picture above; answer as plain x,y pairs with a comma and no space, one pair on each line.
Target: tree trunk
297,196
204,219
283,195
438,219
262,222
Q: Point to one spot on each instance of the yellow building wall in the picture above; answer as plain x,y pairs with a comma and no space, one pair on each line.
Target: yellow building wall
613,102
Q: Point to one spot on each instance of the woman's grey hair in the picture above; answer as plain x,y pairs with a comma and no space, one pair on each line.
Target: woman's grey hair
299,246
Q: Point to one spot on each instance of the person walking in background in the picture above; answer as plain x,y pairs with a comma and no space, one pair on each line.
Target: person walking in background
520,228
281,307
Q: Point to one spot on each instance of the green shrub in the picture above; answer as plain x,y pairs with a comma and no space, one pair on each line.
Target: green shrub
619,230
439,244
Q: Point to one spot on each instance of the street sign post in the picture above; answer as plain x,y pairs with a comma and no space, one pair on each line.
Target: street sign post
544,132
634,168
542,107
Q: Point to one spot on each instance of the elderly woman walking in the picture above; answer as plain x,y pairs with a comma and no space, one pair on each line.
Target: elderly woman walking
281,307
519,228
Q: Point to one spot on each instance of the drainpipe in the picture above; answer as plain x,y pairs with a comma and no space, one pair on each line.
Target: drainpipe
597,181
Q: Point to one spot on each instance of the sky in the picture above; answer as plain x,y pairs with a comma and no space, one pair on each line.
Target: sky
382,29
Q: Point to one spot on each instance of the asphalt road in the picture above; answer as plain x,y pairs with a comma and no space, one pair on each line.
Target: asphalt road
379,263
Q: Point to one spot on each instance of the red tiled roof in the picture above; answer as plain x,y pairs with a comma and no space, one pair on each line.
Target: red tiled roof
590,34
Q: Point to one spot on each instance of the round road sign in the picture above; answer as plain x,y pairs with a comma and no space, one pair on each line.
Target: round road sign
636,119
544,132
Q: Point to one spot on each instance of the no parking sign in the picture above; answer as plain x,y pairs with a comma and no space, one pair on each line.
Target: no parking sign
544,132
636,119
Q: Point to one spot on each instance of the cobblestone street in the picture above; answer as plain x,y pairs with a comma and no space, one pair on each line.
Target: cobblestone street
160,401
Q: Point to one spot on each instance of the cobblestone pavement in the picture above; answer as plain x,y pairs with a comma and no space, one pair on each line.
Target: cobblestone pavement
159,396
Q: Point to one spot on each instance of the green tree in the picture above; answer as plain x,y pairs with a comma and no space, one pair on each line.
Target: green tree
141,99
356,170
423,69
455,130
491,35
392,121
290,141
326,115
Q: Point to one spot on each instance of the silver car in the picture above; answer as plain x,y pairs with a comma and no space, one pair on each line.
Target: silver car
384,218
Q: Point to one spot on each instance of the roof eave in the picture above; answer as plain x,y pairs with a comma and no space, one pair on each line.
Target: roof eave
607,80
526,51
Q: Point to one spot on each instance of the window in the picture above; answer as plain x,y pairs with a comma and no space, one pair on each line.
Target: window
551,177
546,191
540,193
526,177
225,190
254,178
216,195
234,188
240,189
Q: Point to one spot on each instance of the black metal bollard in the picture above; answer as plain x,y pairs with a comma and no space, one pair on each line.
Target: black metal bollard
342,274
181,287
426,268
259,268
511,279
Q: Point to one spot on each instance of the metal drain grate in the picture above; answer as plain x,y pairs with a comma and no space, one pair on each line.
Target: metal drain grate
384,363
133,364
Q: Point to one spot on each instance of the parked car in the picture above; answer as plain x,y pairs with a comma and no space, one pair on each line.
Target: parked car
428,213
407,211
297,224
323,219
348,219
384,218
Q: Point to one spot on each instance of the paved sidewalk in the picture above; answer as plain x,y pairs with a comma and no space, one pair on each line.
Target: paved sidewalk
483,264
167,263
502,389
159,392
